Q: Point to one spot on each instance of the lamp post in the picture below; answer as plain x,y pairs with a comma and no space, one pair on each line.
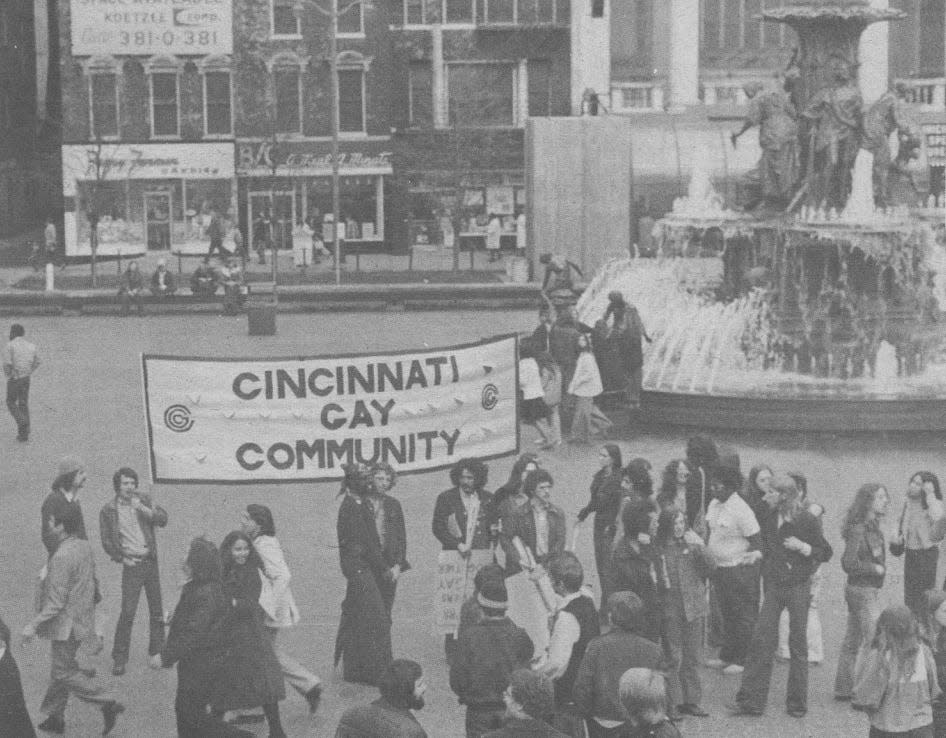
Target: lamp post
333,71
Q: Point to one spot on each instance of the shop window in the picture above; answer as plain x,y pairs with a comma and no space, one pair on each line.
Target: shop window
103,96
637,97
286,20
217,120
536,11
540,87
164,104
481,95
351,100
421,94
350,18
288,89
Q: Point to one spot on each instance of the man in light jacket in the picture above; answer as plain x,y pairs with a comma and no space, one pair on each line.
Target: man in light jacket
67,618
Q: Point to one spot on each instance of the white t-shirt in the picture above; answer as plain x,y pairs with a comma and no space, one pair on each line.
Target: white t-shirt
731,523
529,379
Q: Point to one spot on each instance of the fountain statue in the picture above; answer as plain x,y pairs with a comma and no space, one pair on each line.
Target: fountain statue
826,316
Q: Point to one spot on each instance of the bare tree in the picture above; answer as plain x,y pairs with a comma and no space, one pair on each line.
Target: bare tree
99,166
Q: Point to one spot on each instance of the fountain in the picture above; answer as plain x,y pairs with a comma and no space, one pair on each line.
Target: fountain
825,317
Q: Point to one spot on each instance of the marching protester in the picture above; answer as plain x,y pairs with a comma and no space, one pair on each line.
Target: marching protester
389,522
486,654
277,601
636,487
673,487
67,618
584,387
15,719
539,524
604,503
702,458
552,386
364,631
632,569
20,360
895,678
606,658
933,631
734,543
865,564
543,332
470,611
510,497
464,517
644,696
532,408
402,688
921,529
792,548
684,566
758,491
529,700
197,644
250,676
70,479
575,623
126,525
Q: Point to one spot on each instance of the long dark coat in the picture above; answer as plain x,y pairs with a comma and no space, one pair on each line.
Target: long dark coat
14,717
251,675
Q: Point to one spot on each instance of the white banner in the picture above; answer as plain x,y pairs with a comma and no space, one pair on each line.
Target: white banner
151,27
300,419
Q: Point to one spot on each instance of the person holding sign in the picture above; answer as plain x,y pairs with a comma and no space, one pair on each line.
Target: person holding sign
464,522
364,633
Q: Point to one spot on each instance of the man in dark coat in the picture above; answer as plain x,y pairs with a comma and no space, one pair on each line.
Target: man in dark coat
793,546
530,700
14,717
486,655
402,690
539,524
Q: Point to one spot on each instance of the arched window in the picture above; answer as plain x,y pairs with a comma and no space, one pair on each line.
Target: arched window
287,69
352,68
216,74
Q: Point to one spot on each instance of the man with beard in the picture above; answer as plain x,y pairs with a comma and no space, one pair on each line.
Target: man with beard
402,690
793,545
529,698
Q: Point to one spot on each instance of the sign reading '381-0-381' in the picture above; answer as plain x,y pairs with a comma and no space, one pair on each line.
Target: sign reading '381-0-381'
152,27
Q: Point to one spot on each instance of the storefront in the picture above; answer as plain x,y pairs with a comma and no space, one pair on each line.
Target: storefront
146,196
283,188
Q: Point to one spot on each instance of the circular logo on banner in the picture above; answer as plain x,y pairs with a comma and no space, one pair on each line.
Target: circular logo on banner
490,396
178,419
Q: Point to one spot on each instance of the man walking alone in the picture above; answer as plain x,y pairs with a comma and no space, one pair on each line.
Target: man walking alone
20,360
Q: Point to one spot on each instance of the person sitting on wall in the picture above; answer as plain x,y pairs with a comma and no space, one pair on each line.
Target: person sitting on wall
234,286
204,279
130,288
162,281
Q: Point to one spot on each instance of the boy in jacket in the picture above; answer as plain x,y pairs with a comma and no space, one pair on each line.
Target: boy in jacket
127,524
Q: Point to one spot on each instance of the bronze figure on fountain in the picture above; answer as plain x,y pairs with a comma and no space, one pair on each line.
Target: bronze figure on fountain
890,113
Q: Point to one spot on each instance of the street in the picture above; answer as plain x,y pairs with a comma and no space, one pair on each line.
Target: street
86,400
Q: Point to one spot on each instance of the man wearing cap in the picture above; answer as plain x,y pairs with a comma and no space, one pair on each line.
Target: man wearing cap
529,698
486,655
607,657
20,360
70,478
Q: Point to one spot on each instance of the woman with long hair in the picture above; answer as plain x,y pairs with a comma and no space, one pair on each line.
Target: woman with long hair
605,503
702,457
632,565
584,387
864,562
684,566
392,532
252,676
673,486
895,681
551,375
364,631
933,632
757,488
510,497
922,526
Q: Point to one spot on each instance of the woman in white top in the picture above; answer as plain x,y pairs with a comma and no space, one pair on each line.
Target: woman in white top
532,408
277,601
584,387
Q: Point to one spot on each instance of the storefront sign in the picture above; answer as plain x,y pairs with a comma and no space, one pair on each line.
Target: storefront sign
145,161
151,27
935,144
295,420
307,159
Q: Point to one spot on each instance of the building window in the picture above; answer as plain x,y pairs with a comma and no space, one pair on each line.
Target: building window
286,21
597,8
350,18
637,97
164,104
540,87
481,95
414,12
499,11
459,11
421,94
752,25
103,97
287,84
351,100
732,24
217,118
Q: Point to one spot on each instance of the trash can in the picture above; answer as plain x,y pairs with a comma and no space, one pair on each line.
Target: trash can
261,311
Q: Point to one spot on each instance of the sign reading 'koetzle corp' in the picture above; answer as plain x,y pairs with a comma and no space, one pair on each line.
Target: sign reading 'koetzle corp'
152,27
301,419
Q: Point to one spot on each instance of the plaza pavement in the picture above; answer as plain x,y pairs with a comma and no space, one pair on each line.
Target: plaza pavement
86,400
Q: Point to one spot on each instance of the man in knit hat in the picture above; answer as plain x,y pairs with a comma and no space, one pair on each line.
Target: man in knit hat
70,478
487,653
